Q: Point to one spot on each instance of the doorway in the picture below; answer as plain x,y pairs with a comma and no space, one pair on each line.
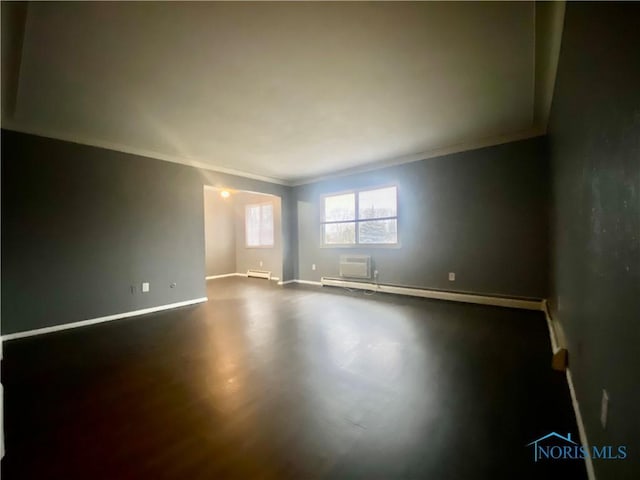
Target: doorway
243,233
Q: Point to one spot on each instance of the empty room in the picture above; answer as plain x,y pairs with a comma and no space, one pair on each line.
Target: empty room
320,240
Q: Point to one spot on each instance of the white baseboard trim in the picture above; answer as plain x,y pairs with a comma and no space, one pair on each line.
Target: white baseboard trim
556,332
93,321
557,342
304,282
552,330
588,462
439,294
225,275
537,305
309,282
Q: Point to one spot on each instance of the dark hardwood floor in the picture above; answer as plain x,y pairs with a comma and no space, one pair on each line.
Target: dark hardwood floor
293,382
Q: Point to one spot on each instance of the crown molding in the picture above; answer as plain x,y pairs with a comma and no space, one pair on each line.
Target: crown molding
199,164
191,162
416,157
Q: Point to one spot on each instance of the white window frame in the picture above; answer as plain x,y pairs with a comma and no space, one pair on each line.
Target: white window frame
273,221
357,220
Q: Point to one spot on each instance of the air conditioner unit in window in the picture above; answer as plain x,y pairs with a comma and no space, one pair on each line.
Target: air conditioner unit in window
355,266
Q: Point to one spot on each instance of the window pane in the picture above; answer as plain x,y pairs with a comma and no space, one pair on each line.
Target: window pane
340,207
339,233
378,231
266,226
259,227
377,203
252,225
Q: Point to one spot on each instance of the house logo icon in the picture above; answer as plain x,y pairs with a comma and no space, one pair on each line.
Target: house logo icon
554,446
565,440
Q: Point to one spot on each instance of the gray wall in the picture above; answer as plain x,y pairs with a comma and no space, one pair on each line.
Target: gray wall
595,161
13,17
81,224
481,214
246,257
219,233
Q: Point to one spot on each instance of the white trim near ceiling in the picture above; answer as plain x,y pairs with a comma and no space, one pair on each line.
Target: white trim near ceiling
82,140
547,31
416,157
93,321
200,164
233,191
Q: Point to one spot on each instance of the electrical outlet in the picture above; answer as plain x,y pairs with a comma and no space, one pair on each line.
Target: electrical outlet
375,274
133,289
452,276
145,287
313,266
604,409
260,262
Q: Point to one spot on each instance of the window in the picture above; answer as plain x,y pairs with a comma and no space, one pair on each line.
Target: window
365,217
259,225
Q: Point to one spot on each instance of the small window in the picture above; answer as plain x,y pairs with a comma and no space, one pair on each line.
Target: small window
363,217
259,225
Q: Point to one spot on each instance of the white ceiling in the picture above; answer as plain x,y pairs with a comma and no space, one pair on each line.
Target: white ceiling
288,91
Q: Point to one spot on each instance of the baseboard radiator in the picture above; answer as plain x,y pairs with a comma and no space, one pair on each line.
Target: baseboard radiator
259,274
525,304
355,266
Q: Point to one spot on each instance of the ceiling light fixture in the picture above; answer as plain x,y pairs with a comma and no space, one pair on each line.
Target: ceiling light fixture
224,194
